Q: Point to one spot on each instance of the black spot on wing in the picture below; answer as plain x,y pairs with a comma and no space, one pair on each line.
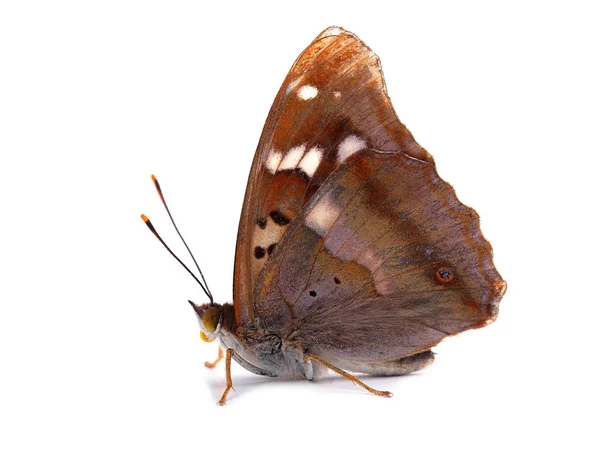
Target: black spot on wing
259,252
279,218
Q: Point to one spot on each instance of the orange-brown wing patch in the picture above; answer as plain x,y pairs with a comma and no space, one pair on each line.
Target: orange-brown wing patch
332,104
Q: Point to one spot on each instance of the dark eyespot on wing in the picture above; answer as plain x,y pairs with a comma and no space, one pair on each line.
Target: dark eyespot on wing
444,275
313,293
259,252
262,223
336,280
279,218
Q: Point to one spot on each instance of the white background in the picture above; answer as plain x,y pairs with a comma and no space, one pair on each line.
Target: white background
98,346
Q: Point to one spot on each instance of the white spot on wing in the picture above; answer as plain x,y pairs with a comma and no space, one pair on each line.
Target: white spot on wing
332,31
292,157
292,85
323,215
307,92
311,160
337,94
349,146
273,161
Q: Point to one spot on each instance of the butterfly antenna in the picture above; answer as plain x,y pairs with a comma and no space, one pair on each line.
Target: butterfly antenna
155,233
204,285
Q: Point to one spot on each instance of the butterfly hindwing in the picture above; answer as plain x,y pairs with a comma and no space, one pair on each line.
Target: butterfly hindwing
382,263
332,104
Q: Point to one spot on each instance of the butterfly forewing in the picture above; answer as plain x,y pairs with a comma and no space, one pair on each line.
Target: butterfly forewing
382,263
332,104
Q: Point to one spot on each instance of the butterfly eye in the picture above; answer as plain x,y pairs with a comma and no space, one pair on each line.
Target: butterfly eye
444,275
210,319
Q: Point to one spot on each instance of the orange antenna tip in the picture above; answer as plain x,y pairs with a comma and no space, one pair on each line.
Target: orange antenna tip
157,186
151,227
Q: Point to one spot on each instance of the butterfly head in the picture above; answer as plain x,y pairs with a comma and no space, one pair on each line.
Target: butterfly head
210,318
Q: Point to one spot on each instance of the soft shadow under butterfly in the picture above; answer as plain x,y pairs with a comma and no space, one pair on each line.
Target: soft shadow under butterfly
352,253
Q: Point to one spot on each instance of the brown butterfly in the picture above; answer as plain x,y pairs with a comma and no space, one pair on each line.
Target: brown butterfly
352,253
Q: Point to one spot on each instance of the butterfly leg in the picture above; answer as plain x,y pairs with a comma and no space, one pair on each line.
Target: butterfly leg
310,357
228,382
232,354
212,365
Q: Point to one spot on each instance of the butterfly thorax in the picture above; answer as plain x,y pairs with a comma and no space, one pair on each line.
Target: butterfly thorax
254,349
258,352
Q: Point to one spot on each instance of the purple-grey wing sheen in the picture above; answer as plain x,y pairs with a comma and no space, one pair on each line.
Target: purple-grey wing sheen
383,262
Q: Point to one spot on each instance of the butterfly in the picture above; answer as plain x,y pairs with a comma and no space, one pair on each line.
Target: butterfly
352,253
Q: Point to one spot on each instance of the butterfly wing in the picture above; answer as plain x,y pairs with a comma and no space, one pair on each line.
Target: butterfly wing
383,262
332,104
